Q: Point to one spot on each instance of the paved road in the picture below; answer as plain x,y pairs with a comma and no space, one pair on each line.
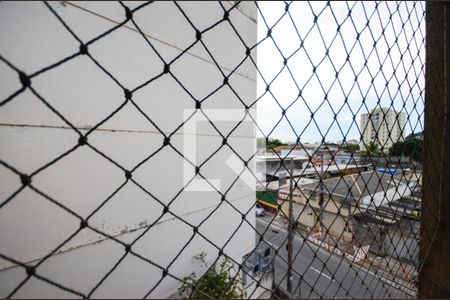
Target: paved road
324,274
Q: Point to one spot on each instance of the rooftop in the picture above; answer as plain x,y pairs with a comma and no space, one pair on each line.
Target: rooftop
275,185
368,188
286,158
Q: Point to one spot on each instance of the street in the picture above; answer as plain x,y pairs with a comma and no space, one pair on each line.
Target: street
324,275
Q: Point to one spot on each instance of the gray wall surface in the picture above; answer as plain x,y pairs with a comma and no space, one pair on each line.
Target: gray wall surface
32,135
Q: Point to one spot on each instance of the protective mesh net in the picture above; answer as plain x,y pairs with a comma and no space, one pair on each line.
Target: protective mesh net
342,218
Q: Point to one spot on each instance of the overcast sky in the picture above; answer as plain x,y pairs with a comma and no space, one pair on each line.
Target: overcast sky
402,89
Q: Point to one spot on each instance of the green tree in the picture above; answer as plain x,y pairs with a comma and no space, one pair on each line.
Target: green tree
219,281
372,149
352,148
270,144
411,147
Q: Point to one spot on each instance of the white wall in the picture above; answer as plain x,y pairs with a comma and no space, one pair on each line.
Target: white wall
32,135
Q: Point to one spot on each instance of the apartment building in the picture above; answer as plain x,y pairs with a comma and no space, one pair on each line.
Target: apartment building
384,126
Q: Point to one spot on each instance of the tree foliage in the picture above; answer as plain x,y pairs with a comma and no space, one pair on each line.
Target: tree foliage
272,143
219,281
411,147
352,148
372,149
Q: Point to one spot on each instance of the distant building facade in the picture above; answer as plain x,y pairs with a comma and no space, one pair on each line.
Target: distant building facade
384,126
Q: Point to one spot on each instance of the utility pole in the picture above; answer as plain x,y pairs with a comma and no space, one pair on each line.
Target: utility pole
290,231
321,192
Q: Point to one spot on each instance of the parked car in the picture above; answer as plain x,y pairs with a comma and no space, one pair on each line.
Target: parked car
259,210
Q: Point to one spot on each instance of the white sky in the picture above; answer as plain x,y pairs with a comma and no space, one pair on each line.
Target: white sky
286,90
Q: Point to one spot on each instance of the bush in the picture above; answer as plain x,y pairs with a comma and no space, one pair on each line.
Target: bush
219,281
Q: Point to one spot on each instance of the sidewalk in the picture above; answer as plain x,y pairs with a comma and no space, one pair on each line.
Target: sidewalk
352,251
278,221
389,266
402,273
397,273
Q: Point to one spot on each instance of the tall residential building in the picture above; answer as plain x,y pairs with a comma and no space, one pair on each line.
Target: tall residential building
384,126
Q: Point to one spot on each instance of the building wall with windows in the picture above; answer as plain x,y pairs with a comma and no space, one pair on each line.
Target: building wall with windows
384,126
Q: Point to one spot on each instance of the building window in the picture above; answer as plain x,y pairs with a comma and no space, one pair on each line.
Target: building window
256,271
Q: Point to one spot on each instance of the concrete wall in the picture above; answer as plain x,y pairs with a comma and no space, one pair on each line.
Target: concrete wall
370,234
32,135
402,248
307,218
336,225
301,211
304,215
401,240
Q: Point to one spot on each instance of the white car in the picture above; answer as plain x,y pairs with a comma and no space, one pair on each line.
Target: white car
259,210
